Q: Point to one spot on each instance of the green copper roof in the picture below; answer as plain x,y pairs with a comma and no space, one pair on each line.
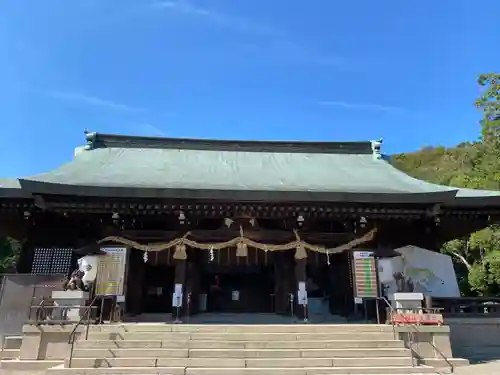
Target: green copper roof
228,170
7,183
112,165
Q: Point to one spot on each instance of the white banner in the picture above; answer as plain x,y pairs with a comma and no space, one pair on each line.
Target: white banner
302,297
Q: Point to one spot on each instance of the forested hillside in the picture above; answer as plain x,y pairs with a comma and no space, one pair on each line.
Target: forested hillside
473,165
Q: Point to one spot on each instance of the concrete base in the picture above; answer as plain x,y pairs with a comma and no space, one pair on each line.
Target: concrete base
47,342
71,303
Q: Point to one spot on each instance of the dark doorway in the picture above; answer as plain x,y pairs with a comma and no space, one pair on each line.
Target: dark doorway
339,280
158,286
239,289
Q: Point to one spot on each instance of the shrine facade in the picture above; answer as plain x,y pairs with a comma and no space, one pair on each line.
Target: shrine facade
232,226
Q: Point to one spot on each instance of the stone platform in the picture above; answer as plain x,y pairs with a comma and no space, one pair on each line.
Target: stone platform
224,349
228,318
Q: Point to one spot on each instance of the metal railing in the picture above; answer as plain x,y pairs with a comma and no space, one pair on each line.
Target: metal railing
410,336
47,312
477,307
84,315
414,330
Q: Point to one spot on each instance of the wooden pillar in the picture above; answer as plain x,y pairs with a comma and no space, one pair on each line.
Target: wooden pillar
280,283
192,287
135,282
300,276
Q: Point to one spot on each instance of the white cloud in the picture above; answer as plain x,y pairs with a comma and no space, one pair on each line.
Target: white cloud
362,106
282,44
217,18
93,101
148,129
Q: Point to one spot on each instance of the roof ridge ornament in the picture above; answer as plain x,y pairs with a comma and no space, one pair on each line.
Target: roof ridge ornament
376,146
90,138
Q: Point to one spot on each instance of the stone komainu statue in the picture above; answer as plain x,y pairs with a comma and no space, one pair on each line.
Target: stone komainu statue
75,281
404,285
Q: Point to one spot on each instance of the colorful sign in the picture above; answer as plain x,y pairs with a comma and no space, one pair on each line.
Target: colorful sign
365,275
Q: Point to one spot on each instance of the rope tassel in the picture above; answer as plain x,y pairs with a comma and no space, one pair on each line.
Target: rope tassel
300,252
241,249
180,252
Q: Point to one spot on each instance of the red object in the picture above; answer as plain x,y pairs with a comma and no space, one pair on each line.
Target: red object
429,319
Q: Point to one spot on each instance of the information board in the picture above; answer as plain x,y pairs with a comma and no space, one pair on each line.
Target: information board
111,272
365,275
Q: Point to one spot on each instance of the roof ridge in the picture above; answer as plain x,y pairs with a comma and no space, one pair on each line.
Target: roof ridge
101,140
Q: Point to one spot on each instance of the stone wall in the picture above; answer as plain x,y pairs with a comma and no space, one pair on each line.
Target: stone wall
475,338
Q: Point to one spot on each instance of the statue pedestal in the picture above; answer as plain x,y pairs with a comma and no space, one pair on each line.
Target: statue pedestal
407,302
70,304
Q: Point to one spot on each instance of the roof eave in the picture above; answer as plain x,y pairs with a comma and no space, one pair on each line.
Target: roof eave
11,188
479,202
7,193
37,187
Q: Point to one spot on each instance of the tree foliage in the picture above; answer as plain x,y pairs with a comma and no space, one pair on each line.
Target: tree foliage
10,251
471,165
489,103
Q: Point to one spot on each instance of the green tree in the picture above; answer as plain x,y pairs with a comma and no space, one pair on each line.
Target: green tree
10,251
489,103
484,275
469,165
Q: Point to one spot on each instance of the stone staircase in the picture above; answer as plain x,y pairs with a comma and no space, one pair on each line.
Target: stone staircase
188,349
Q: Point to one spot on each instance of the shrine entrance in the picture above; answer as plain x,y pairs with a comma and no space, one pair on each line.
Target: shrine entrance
158,284
238,289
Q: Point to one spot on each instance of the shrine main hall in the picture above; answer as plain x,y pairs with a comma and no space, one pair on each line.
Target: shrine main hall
238,226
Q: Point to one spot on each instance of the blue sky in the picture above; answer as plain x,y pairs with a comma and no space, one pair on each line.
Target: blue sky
246,69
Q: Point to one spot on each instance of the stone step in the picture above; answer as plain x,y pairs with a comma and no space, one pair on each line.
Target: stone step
241,362
239,353
199,344
10,353
226,336
28,365
395,370
242,328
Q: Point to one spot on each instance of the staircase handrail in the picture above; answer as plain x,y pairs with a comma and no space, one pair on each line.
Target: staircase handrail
410,334
72,335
